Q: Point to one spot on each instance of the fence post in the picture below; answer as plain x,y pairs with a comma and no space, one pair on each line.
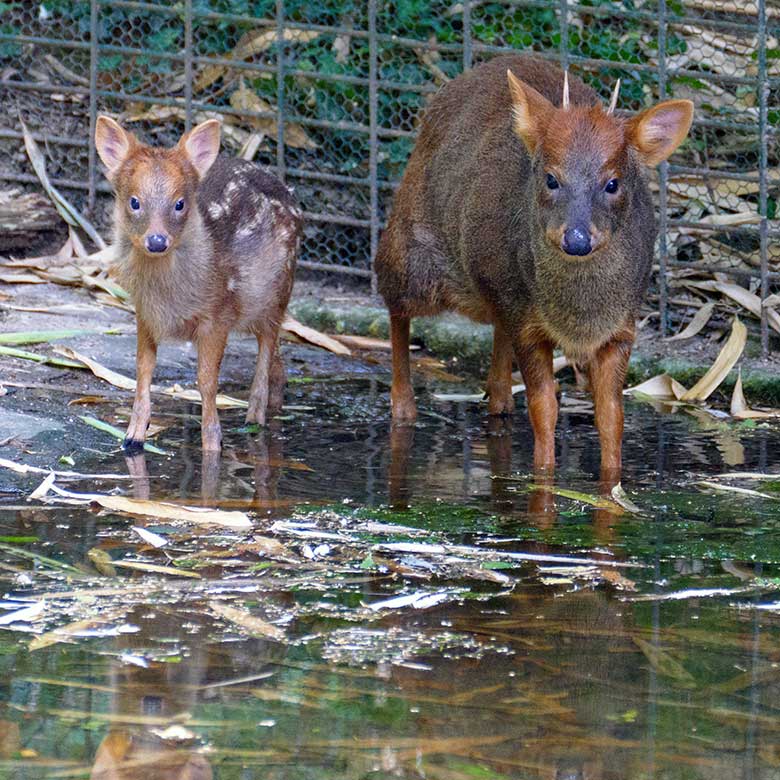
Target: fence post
372,138
467,50
93,67
763,129
663,181
564,24
280,161
187,65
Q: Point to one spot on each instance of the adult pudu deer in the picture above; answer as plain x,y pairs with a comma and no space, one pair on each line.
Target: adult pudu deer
206,245
524,204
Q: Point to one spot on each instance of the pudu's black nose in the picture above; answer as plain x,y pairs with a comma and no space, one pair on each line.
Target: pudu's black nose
157,242
576,241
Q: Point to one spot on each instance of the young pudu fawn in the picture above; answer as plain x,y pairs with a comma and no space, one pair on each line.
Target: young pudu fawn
524,204
205,245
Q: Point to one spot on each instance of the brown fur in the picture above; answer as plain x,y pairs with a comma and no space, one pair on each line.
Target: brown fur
475,228
229,266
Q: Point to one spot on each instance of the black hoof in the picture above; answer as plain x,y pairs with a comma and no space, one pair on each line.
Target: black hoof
132,446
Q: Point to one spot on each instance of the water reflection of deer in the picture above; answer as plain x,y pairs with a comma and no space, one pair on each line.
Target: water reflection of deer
157,699
222,478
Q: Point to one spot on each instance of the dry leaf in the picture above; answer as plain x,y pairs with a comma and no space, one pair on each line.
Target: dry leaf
312,336
661,386
240,617
739,408
727,357
164,511
699,320
743,297
154,569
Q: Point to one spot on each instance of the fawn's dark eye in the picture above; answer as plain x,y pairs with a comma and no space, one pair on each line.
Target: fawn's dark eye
135,204
179,205
552,182
611,186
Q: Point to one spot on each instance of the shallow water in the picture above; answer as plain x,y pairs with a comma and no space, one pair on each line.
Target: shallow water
650,654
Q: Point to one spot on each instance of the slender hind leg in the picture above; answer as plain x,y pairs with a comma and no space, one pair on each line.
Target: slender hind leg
258,394
401,394
499,383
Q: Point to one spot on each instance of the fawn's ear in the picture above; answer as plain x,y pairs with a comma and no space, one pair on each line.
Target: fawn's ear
658,131
113,142
530,112
201,145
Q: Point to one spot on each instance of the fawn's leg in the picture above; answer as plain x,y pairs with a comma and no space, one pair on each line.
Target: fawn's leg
145,360
136,468
535,360
211,346
277,380
401,394
258,394
607,372
499,383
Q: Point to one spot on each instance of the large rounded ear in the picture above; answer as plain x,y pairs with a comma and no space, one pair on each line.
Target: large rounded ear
658,131
113,142
530,112
201,145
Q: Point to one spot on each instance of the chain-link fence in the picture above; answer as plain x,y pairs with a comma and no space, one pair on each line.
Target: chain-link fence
328,95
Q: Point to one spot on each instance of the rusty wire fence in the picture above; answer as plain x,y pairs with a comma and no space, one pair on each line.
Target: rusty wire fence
329,94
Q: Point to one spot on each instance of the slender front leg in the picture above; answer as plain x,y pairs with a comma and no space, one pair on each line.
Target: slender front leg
277,381
211,346
258,395
607,372
401,394
145,360
499,383
535,360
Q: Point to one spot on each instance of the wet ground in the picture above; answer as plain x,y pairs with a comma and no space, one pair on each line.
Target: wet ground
404,604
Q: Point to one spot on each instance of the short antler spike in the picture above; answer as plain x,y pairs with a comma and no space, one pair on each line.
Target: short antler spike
614,99
565,103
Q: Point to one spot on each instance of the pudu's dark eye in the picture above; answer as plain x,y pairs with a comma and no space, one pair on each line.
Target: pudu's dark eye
552,182
135,204
611,186
179,205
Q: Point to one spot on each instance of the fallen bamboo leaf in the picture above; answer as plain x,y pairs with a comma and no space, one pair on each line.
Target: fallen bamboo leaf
150,538
154,569
740,295
192,395
312,336
23,468
698,321
102,561
421,600
66,210
243,619
43,488
40,336
586,498
663,663
619,497
727,357
23,615
423,548
21,279
367,342
661,386
690,593
740,409
34,356
734,489
69,632
159,509
99,370
116,433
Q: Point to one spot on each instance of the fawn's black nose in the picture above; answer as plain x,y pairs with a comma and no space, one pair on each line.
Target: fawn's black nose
157,242
576,241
